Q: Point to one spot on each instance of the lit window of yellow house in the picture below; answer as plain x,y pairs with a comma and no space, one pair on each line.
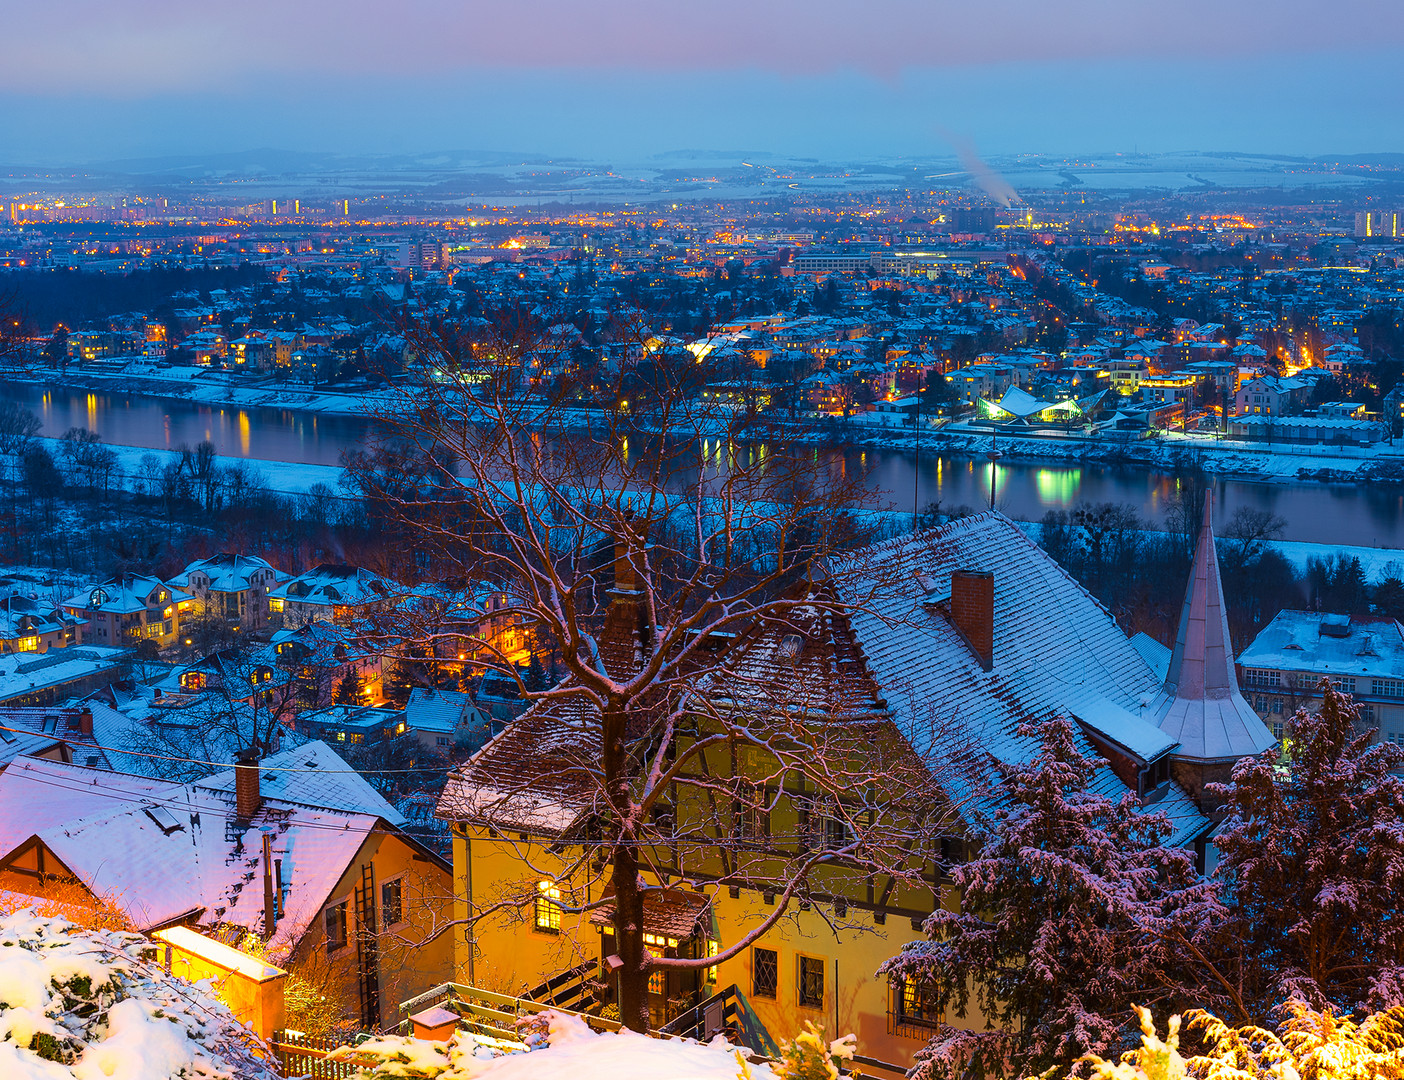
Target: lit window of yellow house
548,907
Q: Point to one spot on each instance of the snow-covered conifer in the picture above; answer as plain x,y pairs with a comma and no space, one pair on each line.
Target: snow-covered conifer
1068,917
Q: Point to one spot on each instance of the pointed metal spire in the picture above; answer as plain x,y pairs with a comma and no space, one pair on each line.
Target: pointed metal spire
1201,706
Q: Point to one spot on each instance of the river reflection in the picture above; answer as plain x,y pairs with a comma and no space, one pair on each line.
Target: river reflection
1364,514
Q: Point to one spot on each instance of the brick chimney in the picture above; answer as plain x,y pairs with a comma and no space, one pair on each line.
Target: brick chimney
972,611
247,798
81,722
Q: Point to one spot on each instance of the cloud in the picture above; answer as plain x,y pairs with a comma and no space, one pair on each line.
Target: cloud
152,46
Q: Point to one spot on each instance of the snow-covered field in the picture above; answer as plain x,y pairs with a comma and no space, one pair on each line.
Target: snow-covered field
284,477
1374,561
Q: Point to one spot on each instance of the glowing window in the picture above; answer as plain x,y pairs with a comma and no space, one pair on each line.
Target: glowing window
548,907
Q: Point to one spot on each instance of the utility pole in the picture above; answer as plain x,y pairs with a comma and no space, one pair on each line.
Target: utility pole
916,473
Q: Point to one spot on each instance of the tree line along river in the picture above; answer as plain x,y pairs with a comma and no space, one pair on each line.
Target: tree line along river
1355,514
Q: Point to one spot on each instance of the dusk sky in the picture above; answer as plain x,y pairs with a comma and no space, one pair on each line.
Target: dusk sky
89,80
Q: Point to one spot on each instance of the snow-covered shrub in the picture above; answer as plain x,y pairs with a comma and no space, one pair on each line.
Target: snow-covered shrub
1308,1045
95,1004
808,1057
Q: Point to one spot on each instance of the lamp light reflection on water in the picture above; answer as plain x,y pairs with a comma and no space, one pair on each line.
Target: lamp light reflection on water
1057,487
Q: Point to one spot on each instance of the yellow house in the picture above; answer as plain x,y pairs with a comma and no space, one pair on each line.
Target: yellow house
893,717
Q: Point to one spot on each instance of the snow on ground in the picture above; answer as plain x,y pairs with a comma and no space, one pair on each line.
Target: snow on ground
211,387
573,1050
284,477
95,1005
1374,561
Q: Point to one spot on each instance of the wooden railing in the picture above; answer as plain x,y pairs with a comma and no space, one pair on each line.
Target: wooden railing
301,1055
570,989
495,1016
718,1013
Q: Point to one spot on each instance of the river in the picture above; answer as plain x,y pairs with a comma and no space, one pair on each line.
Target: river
1357,514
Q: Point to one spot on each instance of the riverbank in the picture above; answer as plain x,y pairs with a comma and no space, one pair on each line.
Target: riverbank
1169,452
206,386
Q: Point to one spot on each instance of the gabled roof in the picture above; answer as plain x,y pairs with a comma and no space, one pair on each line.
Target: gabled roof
1057,652
896,659
124,596
1200,706
313,775
442,711
162,851
228,573
330,584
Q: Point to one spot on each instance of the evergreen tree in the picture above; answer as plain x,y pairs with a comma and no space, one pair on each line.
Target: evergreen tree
1313,854
348,690
1389,595
1067,917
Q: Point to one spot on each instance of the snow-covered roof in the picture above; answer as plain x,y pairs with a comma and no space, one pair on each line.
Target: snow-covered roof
22,674
125,595
1320,643
441,711
22,616
896,658
1156,655
313,774
1053,643
227,573
162,851
330,584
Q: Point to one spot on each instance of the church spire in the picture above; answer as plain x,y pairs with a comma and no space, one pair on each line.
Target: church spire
1201,706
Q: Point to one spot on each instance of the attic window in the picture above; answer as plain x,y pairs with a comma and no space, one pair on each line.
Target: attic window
790,646
163,819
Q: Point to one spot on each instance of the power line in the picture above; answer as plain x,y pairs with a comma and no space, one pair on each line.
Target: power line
233,765
150,799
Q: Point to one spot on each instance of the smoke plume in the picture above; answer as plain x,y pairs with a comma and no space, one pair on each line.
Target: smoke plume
995,186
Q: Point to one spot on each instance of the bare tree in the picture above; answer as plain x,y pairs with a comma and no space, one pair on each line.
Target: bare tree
15,347
709,728
1247,535
236,699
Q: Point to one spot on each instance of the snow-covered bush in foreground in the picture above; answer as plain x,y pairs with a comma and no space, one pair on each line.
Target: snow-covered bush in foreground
95,1005
1308,1045
574,1050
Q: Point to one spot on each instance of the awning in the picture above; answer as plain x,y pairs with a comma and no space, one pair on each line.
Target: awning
670,913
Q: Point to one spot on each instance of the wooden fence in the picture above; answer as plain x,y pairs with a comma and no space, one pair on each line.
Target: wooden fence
302,1055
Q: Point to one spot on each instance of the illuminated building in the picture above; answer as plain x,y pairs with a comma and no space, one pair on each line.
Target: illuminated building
1379,223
